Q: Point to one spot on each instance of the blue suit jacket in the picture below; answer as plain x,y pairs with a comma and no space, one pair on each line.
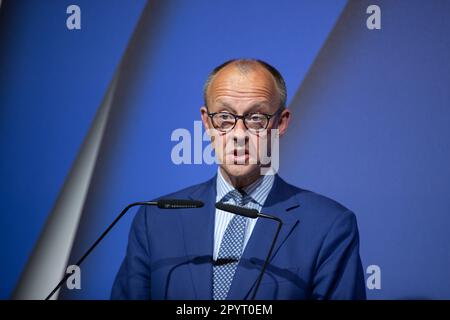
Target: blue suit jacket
169,254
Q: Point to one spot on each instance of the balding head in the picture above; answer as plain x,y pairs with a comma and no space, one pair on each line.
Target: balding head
247,67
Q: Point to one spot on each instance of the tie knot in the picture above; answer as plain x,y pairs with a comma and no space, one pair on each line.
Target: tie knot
240,197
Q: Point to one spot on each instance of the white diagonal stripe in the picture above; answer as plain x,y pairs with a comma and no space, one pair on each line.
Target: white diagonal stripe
48,261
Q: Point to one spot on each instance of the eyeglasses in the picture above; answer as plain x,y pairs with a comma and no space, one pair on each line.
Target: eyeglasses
255,121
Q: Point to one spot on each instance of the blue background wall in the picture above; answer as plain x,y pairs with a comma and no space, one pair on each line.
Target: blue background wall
52,81
371,128
370,119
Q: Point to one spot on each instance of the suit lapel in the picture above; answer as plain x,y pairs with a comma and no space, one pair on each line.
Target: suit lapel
198,231
280,200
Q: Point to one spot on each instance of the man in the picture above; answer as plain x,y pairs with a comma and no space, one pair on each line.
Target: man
212,254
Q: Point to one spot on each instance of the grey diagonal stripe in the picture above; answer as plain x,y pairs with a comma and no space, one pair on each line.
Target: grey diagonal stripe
48,261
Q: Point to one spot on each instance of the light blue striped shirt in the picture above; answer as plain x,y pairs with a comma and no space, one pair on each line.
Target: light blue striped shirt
258,192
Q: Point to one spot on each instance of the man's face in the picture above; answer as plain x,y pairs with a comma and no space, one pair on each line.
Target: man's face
239,93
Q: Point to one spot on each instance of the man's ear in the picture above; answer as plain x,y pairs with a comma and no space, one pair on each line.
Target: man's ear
204,115
283,122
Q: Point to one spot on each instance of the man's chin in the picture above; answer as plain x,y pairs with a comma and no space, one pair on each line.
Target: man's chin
241,170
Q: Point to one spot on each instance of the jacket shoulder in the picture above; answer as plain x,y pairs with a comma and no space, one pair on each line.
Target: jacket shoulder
316,206
192,189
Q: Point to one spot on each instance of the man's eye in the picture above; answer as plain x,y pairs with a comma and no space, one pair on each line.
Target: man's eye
256,117
225,116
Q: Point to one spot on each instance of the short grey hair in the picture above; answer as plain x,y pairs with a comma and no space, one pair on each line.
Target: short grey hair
246,65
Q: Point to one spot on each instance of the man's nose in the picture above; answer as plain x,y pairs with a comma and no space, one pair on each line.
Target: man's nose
240,126
240,134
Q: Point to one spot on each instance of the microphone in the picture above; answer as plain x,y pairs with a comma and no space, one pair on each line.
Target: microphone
162,204
253,214
178,204
242,211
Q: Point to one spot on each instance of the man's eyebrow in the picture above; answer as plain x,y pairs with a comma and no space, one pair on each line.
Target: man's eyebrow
258,106
224,104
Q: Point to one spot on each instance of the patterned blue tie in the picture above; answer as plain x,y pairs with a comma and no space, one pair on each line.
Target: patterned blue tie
230,250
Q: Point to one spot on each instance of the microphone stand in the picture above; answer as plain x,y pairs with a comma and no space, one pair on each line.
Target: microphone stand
80,261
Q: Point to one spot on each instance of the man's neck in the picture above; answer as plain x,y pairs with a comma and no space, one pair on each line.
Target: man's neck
240,182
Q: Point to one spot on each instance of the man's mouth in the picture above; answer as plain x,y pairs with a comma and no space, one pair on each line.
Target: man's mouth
240,152
239,156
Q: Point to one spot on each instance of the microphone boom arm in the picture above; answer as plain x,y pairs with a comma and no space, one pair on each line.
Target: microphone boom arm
253,213
162,204
80,261
269,254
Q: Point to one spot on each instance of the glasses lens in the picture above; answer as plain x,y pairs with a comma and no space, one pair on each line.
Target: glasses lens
256,121
223,121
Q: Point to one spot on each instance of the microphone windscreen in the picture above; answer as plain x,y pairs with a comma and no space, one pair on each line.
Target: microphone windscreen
178,204
246,212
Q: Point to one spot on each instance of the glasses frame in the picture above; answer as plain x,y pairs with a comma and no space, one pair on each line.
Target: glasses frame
242,117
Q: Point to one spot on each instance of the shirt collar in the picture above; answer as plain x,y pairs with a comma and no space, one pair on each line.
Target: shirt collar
258,190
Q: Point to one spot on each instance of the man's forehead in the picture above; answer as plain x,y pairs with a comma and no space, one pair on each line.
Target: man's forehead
228,102
252,82
250,73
